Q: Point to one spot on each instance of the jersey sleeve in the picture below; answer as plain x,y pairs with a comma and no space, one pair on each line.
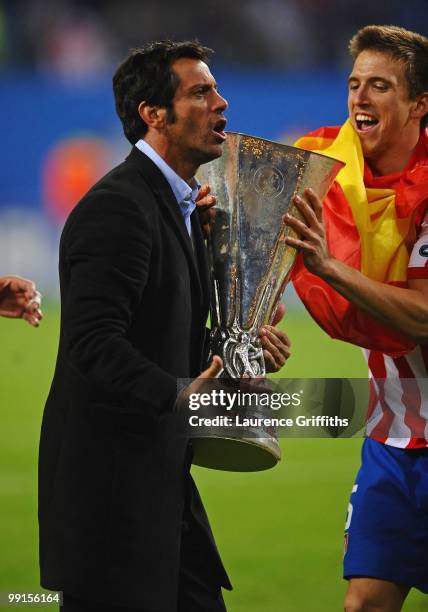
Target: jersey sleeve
418,262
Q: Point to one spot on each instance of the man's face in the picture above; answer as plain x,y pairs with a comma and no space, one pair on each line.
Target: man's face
196,132
379,106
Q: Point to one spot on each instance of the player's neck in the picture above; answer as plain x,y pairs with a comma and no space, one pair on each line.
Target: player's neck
173,156
393,159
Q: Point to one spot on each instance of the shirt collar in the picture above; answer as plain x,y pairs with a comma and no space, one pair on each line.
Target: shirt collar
184,194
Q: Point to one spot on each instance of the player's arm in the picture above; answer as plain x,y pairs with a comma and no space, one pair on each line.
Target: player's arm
406,310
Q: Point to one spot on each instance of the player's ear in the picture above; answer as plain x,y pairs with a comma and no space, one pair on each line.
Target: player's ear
420,108
153,116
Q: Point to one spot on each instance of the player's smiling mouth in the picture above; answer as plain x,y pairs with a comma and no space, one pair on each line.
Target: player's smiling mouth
365,122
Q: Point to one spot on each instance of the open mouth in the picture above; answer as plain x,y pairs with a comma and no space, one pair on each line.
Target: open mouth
365,122
218,129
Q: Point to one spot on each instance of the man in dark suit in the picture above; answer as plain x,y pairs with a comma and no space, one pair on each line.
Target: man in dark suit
121,522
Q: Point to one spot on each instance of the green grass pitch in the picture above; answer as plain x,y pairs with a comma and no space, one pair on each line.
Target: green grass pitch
279,531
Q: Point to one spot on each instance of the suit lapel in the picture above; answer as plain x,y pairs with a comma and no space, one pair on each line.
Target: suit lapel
165,196
201,255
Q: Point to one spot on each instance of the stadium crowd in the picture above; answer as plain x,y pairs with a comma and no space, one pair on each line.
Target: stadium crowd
82,38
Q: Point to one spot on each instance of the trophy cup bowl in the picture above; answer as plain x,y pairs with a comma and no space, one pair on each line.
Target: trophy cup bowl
254,182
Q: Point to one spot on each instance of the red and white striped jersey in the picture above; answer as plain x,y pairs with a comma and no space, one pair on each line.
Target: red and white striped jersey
398,407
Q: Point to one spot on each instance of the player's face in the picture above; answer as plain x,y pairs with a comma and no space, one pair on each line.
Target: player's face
379,106
196,132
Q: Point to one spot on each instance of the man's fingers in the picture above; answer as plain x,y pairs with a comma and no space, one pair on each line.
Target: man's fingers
278,337
32,319
203,191
22,285
35,299
32,306
276,347
206,203
305,207
315,202
213,369
279,350
270,363
34,310
300,228
300,244
310,206
273,356
205,199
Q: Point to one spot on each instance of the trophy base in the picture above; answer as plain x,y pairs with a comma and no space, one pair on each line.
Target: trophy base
236,455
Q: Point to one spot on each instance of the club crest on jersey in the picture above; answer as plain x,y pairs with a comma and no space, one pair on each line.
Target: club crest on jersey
423,251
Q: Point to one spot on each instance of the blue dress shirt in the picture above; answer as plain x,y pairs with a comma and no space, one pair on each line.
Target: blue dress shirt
184,194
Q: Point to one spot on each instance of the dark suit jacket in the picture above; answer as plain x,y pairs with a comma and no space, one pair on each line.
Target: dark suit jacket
113,473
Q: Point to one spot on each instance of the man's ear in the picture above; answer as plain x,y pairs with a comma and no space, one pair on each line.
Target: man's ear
153,116
421,106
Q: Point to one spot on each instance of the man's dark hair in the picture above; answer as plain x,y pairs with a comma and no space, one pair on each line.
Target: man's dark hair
146,76
408,47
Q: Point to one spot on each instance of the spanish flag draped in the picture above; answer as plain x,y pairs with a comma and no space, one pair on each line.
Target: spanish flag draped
370,225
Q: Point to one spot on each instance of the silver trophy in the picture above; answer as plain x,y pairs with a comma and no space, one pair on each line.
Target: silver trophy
254,181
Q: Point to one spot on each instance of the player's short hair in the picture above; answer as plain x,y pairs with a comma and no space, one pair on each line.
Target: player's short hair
408,47
146,76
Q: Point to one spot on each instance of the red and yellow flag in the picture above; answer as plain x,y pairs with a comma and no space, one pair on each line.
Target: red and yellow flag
370,225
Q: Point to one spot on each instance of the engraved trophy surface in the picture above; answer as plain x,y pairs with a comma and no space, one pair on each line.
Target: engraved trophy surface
254,182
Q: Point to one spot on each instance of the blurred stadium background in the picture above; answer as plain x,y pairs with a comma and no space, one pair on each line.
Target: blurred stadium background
282,64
